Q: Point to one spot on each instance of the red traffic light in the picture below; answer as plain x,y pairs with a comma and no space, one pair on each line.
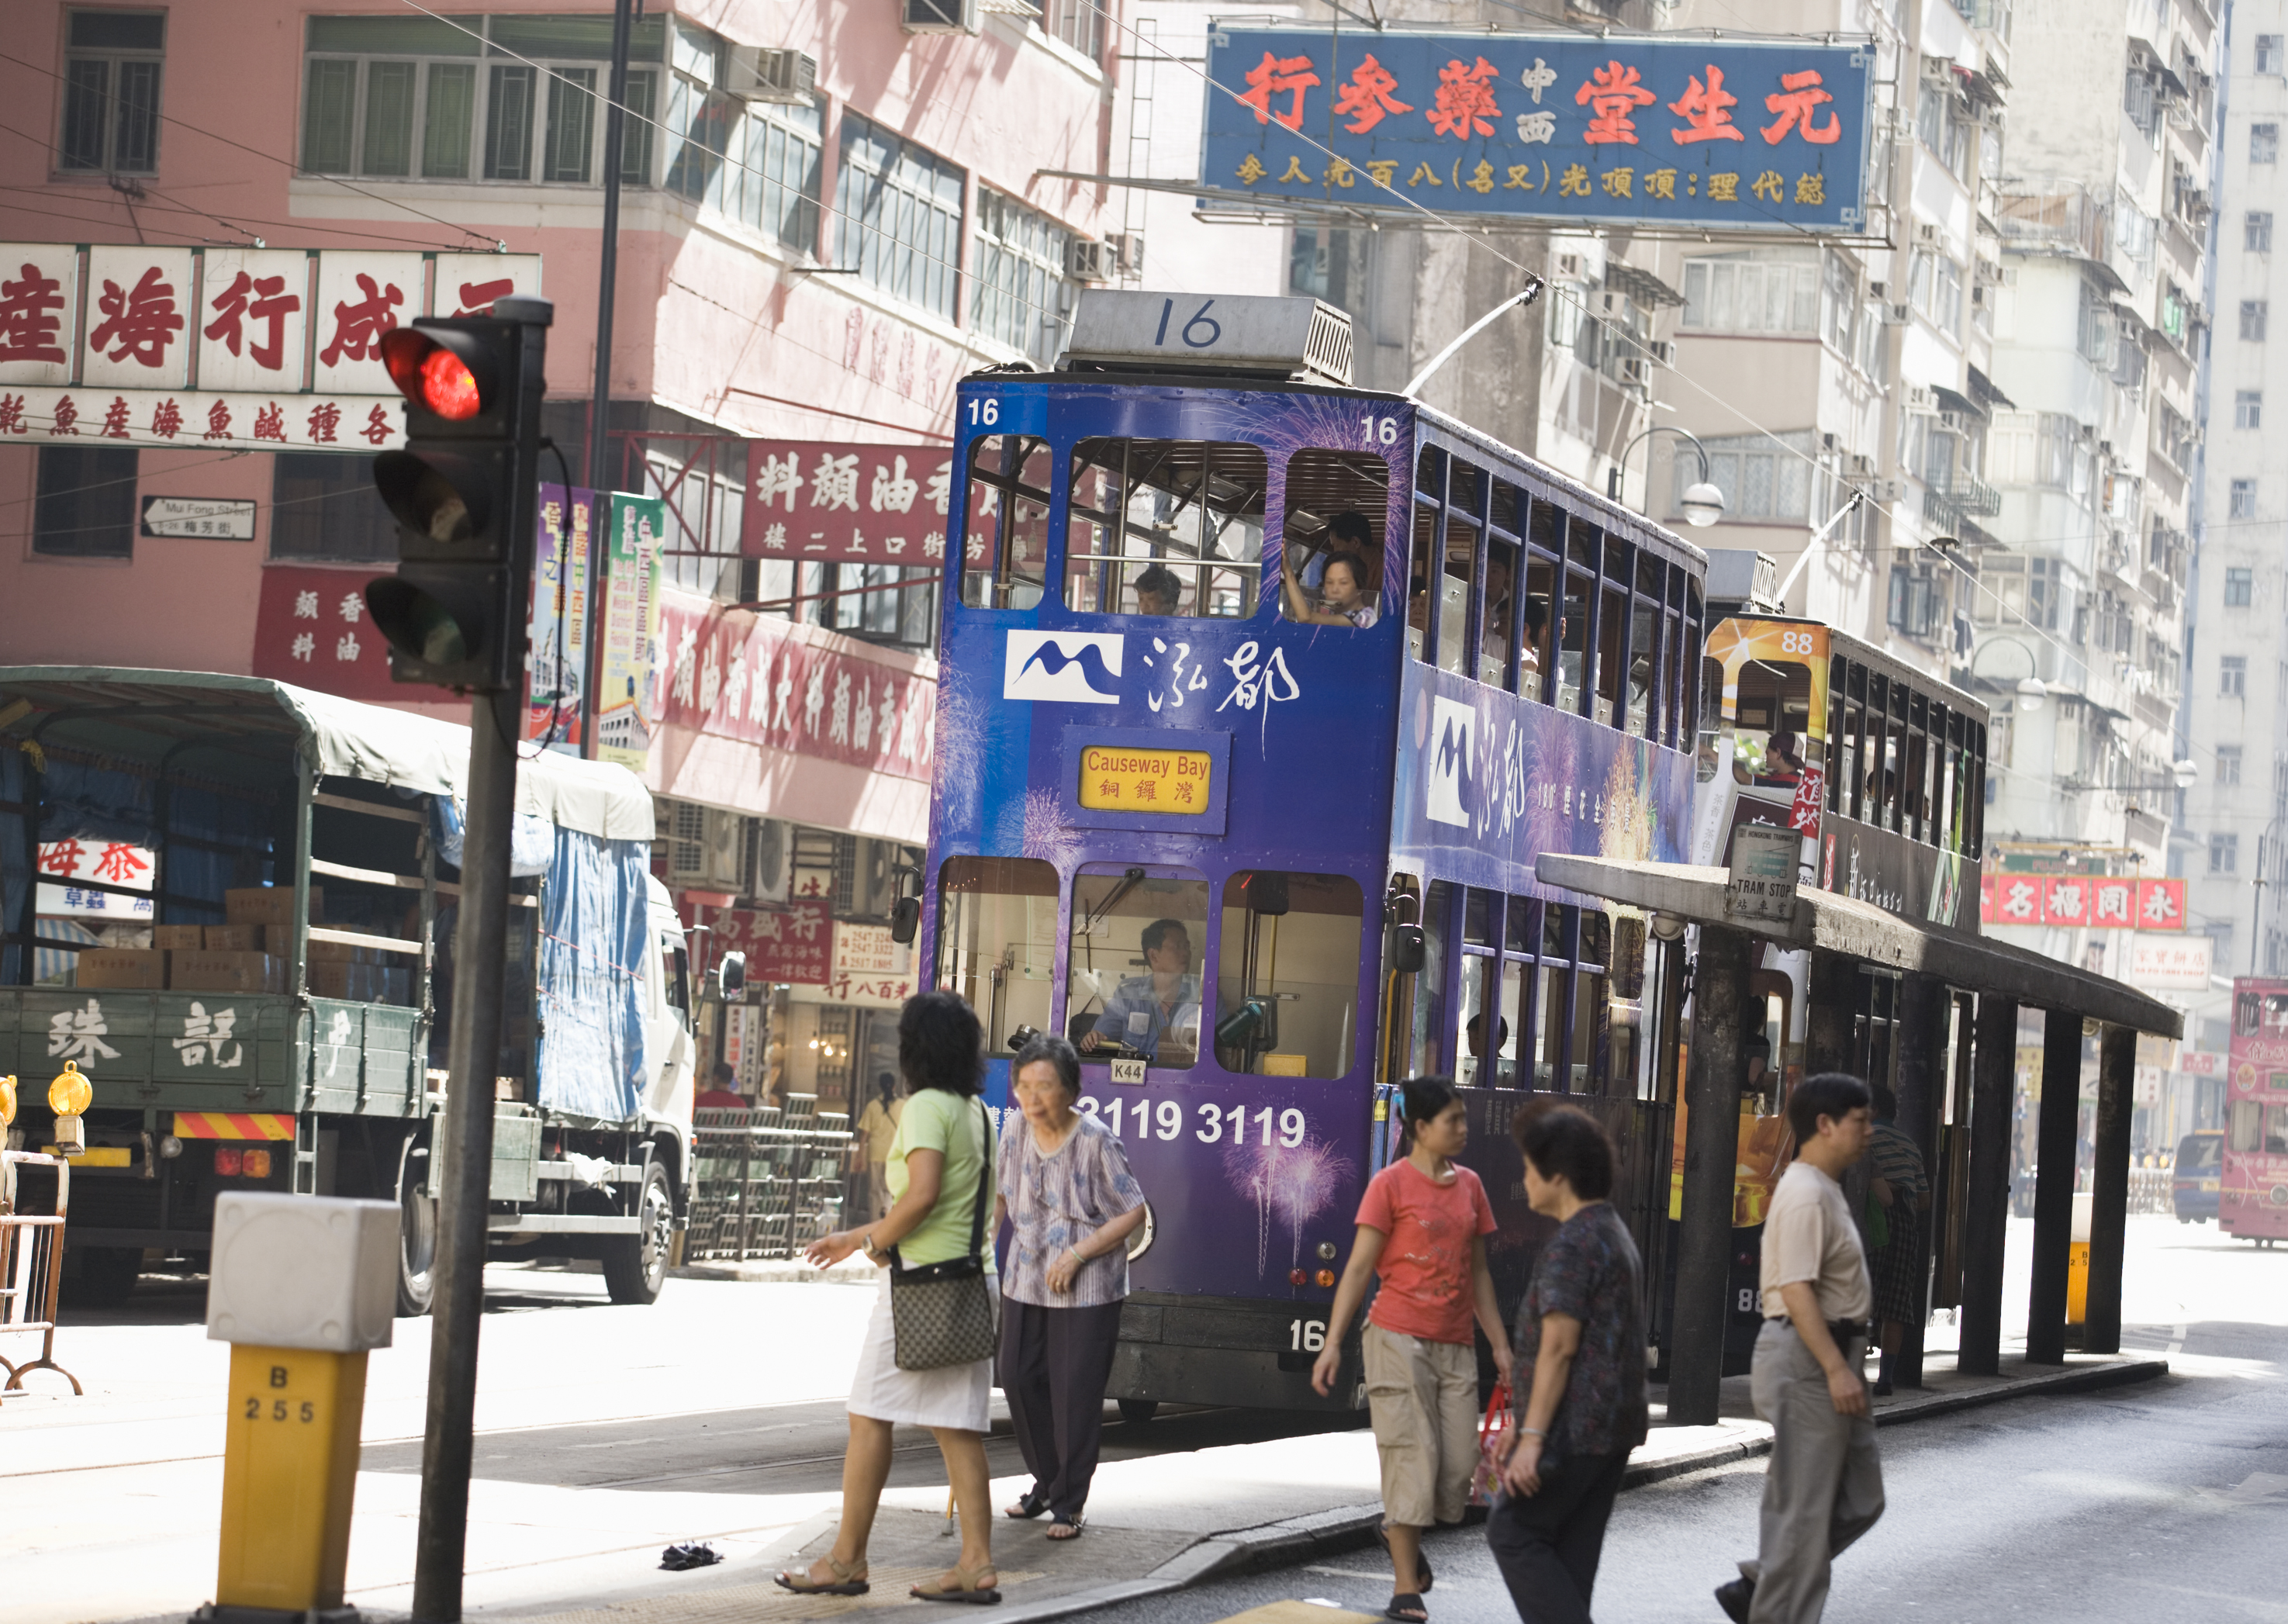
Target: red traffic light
434,371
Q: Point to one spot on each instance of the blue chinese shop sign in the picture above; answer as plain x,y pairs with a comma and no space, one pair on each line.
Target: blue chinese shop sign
1729,135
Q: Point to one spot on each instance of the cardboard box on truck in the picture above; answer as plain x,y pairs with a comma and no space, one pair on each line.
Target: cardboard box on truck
234,938
269,904
193,936
205,971
144,968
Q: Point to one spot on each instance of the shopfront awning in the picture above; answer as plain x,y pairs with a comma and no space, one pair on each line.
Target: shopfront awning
1827,922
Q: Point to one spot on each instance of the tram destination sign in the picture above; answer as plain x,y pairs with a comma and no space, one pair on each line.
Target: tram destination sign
1721,135
1763,883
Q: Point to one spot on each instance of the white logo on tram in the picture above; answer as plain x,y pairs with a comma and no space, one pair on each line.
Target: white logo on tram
1447,784
1078,667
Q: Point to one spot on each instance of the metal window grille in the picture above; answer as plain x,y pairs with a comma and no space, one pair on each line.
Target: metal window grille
110,115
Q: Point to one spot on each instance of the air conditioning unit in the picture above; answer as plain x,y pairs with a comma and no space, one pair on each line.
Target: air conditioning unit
1938,70
1878,291
1885,491
1636,371
1986,273
1569,268
1664,352
1929,236
1897,315
1088,260
1128,245
759,73
1861,465
2009,277
771,859
706,846
938,16
1978,295
1921,398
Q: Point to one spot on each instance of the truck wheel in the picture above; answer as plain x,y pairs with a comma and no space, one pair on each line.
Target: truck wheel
106,1275
417,1231
1136,1412
635,1266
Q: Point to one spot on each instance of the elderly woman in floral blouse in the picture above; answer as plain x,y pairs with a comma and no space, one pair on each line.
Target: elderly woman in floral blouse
1071,1203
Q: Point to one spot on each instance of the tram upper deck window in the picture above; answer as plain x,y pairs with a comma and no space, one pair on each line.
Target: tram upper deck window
1132,982
1005,548
997,941
1338,505
1166,527
1772,747
1573,638
1499,614
1287,977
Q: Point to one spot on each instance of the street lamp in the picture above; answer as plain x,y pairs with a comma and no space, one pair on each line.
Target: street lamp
1702,504
2032,692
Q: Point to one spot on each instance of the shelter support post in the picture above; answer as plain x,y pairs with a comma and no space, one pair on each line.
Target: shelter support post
1831,1015
1986,1208
1711,1149
2108,1216
1924,1008
2054,1186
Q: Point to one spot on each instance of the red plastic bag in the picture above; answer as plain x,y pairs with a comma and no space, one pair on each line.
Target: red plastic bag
1492,1432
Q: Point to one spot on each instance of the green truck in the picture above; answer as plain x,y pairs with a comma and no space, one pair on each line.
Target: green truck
271,1009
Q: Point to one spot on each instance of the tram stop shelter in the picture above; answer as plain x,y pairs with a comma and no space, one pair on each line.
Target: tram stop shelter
1851,941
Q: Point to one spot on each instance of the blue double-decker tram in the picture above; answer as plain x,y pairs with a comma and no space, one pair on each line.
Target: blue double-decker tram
1261,694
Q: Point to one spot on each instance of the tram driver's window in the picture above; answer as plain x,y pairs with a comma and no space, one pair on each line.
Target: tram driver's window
1005,540
998,941
1132,978
1287,977
1166,527
1337,506
1774,747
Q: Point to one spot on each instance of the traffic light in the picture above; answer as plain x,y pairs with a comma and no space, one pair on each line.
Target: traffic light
465,491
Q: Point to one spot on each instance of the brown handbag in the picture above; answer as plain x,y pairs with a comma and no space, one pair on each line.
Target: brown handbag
942,1314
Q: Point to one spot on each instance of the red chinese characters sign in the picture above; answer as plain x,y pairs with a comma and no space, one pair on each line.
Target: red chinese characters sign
794,945
310,629
768,682
2094,901
830,502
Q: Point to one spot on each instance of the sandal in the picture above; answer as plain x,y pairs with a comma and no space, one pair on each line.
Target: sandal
972,1589
1029,1505
1062,1530
1421,1561
1406,1606
848,1581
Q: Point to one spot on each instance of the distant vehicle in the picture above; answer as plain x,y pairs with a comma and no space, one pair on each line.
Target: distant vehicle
287,1026
2200,1168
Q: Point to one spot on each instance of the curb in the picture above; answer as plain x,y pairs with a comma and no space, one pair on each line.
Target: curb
2087,1379
791,1270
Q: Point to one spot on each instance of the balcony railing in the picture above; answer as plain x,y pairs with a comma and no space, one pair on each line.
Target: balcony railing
1948,505
2059,216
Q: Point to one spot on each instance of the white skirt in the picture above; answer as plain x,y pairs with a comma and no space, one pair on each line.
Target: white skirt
956,1396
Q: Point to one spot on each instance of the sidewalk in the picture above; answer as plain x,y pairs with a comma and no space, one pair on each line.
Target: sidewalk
1150,1532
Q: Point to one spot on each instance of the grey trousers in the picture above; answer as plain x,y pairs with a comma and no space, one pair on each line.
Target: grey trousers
1054,1366
1824,1487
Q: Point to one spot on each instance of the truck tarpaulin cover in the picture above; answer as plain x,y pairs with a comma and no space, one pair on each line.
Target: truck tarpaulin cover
594,913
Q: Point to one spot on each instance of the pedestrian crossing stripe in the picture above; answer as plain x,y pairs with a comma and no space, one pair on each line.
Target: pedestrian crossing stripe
233,1125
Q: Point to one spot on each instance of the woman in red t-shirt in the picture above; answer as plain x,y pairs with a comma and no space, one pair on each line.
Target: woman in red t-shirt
1422,1227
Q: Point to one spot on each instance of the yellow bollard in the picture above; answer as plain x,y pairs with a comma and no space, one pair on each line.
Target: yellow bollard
301,1288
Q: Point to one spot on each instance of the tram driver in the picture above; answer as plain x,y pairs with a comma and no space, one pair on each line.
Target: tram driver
1157,1011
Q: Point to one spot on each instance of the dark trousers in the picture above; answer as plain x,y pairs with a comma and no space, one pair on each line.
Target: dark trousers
1052,1368
1547,1546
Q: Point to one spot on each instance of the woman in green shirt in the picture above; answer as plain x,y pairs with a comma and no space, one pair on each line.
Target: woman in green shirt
940,1166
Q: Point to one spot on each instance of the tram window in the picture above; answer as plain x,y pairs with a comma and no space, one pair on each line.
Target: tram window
2247,1128
1477,917
1338,504
1418,586
1711,718
1612,628
1425,1054
1592,1009
1006,550
1509,1021
1644,667
1133,981
1572,636
1287,979
1454,592
997,941
1485,1031
1524,920
1538,629
1502,510
1773,715
1581,545
1500,612
1152,515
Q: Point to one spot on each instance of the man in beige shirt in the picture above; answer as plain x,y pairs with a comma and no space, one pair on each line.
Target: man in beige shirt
1824,1487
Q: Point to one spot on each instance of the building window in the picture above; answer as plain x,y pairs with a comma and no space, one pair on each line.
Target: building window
2239,587
1762,476
1753,291
2013,590
1080,24
2232,677
2252,315
899,211
508,98
2248,408
323,506
2227,766
2264,143
2242,504
2268,53
777,163
111,93
2256,231
2224,854
85,508
1023,296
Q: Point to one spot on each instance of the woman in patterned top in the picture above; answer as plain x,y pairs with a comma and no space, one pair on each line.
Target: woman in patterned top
1580,1360
1071,1204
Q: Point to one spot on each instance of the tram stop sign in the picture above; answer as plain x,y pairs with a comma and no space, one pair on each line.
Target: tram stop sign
1763,883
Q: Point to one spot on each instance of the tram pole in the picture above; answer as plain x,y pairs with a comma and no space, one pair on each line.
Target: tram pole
1711,1151
1986,1204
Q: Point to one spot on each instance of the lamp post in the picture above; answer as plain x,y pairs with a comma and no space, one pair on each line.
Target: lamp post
1703,504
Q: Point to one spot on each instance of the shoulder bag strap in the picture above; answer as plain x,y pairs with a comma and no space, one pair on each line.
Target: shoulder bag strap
984,1167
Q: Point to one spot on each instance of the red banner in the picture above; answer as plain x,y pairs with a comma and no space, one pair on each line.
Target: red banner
2097,901
791,945
829,502
310,629
768,681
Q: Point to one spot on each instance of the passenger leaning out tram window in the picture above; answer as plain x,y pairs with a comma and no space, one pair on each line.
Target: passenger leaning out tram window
1344,598
1157,1011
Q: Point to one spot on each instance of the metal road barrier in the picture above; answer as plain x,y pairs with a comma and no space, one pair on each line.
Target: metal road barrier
766,1182
31,1266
